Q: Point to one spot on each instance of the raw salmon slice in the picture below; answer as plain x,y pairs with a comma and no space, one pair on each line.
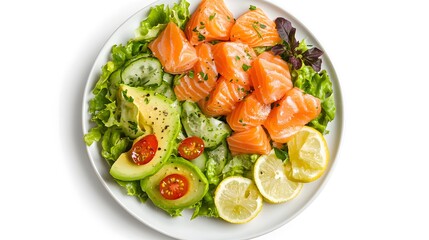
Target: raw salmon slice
252,140
198,83
223,98
290,114
211,21
256,29
233,61
173,50
248,113
270,77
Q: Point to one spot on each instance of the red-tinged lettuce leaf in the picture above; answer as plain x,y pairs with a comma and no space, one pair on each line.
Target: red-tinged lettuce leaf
292,50
311,57
286,32
296,62
278,49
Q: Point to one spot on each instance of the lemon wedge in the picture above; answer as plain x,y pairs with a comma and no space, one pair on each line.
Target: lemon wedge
270,178
308,155
237,199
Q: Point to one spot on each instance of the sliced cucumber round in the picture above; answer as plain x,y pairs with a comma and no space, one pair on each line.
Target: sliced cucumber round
145,71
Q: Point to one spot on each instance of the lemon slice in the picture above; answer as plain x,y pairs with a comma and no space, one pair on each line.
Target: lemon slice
308,155
237,199
270,178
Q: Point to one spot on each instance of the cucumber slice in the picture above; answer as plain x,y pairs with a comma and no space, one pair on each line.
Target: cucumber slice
145,71
211,130
115,80
200,161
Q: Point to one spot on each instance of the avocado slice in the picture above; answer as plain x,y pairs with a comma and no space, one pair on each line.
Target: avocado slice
155,114
198,184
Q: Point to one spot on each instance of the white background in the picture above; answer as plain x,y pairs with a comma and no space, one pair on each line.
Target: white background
379,186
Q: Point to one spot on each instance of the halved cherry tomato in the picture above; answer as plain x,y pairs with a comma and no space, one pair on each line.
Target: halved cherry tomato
144,150
173,186
191,147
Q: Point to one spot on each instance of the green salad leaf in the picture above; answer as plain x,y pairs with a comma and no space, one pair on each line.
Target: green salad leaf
240,165
158,18
206,207
211,172
113,143
133,189
179,13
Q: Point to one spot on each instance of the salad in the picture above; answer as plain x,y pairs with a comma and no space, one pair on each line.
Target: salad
197,103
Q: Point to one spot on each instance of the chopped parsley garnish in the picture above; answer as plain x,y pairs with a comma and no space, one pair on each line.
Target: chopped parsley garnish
255,26
201,37
204,76
252,7
202,25
191,74
212,16
246,67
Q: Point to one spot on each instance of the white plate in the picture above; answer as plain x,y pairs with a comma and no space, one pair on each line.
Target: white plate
271,216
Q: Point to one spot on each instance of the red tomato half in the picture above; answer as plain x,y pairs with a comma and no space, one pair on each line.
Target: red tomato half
144,150
191,147
173,186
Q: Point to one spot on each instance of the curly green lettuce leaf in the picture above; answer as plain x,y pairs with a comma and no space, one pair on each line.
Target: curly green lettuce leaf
122,54
211,172
93,135
206,207
240,165
320,86
180,14
133,189
174,212
114,143
158,18
217,159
